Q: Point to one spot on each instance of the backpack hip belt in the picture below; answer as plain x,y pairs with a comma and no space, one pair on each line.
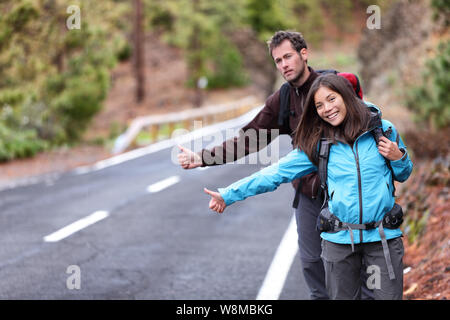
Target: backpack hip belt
328,222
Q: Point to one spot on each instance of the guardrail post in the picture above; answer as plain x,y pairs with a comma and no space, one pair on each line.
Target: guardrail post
154,130
171,128
187,124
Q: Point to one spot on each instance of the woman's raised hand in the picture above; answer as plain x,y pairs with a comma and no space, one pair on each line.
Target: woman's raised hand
216,203
389,149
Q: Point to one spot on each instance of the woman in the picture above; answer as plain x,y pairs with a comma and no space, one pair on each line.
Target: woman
359,184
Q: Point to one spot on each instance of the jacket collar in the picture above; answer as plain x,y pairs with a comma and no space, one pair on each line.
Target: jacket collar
307,84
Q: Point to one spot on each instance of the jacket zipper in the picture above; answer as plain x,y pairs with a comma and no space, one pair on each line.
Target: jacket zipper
358,169
359,181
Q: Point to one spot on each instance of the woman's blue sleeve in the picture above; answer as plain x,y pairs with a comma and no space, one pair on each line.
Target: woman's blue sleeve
403,167
294,165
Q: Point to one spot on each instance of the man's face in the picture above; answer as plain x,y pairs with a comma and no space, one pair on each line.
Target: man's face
289,62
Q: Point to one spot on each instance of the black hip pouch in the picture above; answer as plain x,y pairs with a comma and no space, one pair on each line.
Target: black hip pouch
326,221
394,218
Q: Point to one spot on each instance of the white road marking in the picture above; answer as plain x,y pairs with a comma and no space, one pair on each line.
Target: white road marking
163,184
279,268
48,179
76,226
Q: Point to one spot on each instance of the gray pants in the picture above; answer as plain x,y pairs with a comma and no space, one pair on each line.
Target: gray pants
309,242
343,269
309,247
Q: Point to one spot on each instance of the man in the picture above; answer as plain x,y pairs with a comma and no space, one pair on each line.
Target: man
290,54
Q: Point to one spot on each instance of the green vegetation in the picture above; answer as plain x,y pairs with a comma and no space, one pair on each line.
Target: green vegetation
441,9
430,101
18,144
415,224
229,69
340,61
202,29
54,79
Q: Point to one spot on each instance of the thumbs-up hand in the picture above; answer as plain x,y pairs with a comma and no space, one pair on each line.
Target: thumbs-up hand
188,159
216,203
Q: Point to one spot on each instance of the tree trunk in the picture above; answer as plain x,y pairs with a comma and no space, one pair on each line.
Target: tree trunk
196,64
139,51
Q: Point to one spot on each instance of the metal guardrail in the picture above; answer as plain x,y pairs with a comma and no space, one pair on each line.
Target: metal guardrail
208,115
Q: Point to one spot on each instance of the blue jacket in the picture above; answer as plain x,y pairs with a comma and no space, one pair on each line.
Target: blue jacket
359,183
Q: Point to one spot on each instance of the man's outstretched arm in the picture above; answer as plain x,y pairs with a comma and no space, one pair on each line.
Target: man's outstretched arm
256,135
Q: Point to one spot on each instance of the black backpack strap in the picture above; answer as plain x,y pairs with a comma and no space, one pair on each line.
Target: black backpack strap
377,132
322,169
297,194
283,115
358,87
324,71
322,172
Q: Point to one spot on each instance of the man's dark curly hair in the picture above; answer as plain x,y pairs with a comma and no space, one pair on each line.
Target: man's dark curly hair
296,39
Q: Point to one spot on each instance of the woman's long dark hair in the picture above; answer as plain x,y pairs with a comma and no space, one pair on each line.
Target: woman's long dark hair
311,127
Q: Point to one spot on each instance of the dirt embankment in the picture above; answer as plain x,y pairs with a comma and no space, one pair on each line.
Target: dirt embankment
392,61
425,198
392,58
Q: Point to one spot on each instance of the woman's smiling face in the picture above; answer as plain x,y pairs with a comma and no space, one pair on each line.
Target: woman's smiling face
330,106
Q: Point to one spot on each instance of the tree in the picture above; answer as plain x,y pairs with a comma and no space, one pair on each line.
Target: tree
430,101
54,79
139,50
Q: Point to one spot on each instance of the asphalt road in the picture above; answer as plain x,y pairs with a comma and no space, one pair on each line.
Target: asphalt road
165,244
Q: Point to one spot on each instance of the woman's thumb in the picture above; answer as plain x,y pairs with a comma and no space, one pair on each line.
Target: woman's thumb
211,193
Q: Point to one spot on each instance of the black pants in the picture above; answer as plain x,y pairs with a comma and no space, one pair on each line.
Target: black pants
309,242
